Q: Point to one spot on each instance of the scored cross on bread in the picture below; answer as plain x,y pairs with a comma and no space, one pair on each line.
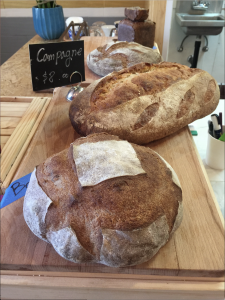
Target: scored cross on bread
120,221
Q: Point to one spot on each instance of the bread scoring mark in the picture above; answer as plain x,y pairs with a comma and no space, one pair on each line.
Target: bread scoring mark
115,46
123,248
138,51
185,103
146,116
122,57
150,80
118,203
106,52
174,174
67,245
178,219
210,91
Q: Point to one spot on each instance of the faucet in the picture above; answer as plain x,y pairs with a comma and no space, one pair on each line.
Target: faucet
200,5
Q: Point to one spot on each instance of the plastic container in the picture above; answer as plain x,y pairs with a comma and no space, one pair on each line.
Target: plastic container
215,152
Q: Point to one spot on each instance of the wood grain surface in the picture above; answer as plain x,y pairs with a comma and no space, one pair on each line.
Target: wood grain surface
11,113
157,13
16,74
197,247
52,287
19,122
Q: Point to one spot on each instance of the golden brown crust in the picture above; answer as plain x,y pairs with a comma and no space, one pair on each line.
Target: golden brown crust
122,203
139,80
145,102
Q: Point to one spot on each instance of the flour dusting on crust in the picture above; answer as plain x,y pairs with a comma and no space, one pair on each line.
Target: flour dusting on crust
35,207
122,248
96,162
179,218
174,175
67,245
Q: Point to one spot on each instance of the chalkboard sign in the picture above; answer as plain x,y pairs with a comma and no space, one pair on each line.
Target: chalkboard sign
52,64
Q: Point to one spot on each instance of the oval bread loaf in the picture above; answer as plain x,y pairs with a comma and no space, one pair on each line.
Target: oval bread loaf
116,56
104,200
145,102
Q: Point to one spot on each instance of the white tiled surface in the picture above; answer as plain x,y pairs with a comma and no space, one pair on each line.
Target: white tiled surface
216,177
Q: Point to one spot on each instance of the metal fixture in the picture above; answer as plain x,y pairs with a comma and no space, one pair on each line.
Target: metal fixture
75,90
200,5
190,59
113,32
180,49
205,48
204,24
193,59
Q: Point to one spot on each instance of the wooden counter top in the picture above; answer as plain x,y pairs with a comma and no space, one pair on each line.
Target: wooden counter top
16,74
31,269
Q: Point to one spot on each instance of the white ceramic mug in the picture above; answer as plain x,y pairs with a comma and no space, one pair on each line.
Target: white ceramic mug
215,152
107,29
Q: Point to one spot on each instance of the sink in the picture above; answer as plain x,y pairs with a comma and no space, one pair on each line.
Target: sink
207,24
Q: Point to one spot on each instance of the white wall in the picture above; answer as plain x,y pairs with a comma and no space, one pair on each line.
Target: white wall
211,61
69,12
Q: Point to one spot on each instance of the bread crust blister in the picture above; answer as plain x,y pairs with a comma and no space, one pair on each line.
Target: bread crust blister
145,102
121,221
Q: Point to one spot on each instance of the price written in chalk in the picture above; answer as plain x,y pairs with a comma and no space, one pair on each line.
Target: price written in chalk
49,77
52,64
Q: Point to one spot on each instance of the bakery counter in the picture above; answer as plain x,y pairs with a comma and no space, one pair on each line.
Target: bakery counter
189,266
16,74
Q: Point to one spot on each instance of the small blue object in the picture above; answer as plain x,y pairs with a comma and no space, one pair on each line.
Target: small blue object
154,47
49,23
70,34
16,190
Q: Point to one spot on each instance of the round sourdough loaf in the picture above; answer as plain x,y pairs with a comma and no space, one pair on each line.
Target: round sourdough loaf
104,200
119,55
145,102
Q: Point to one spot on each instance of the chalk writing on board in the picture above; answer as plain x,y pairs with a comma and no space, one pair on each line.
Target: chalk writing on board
42,56
17,187
50,78
53,63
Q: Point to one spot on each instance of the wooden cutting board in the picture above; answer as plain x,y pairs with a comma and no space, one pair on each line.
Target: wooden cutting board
197,247
20,117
